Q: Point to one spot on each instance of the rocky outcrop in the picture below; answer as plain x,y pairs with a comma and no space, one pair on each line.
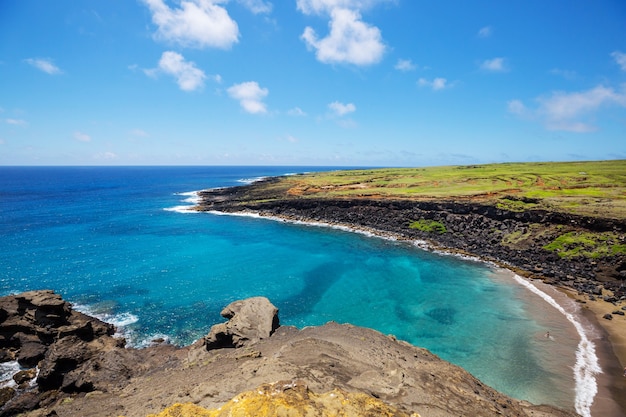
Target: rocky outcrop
32,321
359,369
250,320
68,352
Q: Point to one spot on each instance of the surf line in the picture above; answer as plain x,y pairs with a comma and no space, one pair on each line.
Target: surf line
587,365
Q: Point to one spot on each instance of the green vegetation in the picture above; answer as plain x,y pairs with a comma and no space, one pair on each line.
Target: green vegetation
429,226
586,188
592,245
515,205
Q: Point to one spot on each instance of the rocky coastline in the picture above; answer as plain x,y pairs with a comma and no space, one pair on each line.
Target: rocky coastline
515,240
77,367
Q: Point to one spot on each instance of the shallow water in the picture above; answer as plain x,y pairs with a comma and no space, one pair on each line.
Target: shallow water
102,238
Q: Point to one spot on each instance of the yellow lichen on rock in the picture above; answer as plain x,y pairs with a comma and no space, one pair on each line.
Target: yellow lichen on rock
291,399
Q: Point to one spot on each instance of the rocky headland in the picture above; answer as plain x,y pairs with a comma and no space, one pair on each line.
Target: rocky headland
248,366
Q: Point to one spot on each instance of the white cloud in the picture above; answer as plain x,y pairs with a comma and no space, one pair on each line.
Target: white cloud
485,32
325,6
620,58
82,137
436,84
405,65
2,142
188,77
296,111
494,65
350,40
570,111
250,96
16,122
341,109
257,6
44,65
196,24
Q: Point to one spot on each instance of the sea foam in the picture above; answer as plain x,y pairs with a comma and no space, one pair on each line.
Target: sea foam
587,364
7,370
192,197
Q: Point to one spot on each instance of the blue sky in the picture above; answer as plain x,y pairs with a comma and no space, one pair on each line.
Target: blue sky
311,82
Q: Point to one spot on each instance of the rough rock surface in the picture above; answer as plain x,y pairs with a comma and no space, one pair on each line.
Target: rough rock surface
74,353
104,380
250,320
291,399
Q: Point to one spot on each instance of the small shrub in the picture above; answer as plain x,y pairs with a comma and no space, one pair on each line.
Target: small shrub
428,226
590,245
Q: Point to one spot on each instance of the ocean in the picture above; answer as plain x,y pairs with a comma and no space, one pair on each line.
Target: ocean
121,244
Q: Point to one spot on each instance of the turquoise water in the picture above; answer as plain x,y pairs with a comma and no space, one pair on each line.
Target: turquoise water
105,239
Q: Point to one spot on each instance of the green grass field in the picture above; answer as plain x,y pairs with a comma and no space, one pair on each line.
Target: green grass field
586,188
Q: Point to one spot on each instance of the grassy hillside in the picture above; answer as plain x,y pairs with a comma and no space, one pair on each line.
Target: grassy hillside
586,188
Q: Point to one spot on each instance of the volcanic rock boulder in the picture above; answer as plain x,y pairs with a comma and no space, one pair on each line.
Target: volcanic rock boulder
250,320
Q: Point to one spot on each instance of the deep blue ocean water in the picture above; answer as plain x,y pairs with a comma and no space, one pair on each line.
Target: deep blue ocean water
108,240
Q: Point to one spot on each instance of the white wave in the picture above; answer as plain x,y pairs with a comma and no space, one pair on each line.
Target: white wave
7,370
193,197
182,209
251,180
119,320
587,364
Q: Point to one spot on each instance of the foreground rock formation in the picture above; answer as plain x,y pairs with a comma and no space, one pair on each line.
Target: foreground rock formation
94,375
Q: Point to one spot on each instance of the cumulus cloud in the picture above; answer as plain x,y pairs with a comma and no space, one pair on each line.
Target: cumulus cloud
188,77
341,109
45,65
570,111
250,96
405,65
197,23
494,65
350,40
436,84
485,32
82,137
620,58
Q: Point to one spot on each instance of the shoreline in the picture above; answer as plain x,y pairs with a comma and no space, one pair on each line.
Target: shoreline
611,341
